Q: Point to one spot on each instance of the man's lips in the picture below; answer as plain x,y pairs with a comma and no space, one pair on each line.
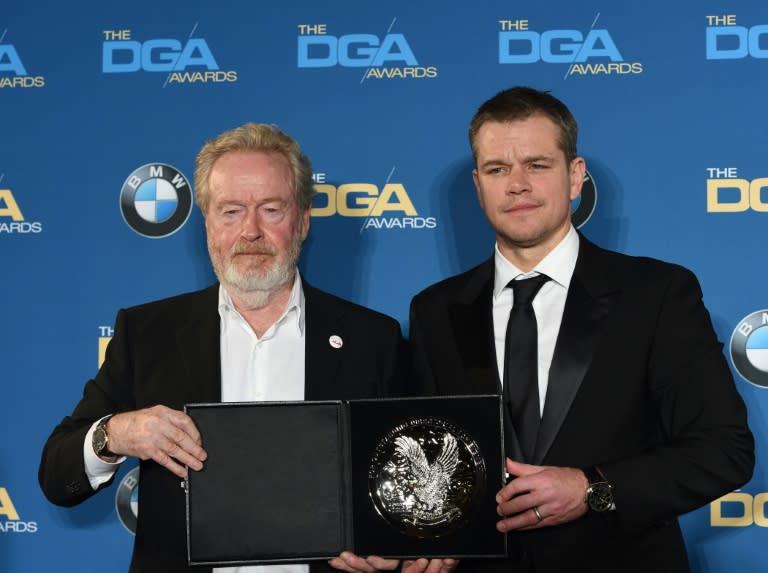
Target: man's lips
521,208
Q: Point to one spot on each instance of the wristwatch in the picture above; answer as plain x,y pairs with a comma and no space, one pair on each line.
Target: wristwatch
599,496
100,441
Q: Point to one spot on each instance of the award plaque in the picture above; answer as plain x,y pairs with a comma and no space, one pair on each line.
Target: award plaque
295,482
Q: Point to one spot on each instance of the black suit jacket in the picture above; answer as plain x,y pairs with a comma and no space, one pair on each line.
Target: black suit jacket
638,385
168,352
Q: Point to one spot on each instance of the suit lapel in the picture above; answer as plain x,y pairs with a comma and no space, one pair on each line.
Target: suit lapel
199,347
588,304
322,362
471,319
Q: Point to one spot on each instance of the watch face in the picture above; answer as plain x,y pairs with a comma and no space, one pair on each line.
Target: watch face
600,496
99,440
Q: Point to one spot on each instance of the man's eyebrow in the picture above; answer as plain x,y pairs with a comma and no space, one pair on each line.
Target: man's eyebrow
537,158
528,159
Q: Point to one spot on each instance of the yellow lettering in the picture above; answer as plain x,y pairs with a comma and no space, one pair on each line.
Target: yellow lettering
716,512
385,203
103,342
11,207
759,509
330,209
755,190
6,506
713,201
363,200
363,204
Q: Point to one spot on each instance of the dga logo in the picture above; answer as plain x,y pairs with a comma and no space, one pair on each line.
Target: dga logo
10,522
127,500
387,208
185,62
105,335
728,193
386,57
593,53
11,218
749,348
739,509
13,72
584,205
156,200
727,41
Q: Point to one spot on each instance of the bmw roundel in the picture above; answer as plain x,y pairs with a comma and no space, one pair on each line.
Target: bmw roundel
749,348
127,500
156,200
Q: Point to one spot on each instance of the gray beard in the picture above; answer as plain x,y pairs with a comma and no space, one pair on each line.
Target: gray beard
257,290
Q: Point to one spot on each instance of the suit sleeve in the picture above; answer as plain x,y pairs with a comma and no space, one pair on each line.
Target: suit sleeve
706,449
61,473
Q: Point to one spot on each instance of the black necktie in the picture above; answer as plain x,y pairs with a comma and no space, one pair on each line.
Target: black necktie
521,386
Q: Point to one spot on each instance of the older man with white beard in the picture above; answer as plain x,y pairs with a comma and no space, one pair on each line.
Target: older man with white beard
261,334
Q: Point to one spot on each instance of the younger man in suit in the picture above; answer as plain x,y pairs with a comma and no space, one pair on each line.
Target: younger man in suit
621,412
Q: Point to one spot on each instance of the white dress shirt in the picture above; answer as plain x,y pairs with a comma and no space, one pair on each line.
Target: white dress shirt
548,305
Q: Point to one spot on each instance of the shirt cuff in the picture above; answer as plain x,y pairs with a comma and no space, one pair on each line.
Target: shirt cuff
98,470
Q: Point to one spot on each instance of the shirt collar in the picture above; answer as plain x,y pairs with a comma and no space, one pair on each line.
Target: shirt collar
558,265
295,306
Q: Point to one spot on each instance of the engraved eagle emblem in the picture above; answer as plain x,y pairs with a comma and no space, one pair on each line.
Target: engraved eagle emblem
431,481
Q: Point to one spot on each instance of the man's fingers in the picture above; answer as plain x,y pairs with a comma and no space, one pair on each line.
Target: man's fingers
185,425
424,565
168,462
341,565
440,565
194,459
381,564
350,562
415,566
181,447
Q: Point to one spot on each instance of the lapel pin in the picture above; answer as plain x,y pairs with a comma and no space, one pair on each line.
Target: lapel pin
335,341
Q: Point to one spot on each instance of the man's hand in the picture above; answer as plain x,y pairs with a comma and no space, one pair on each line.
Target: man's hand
539,496
351,563
424,565
166,436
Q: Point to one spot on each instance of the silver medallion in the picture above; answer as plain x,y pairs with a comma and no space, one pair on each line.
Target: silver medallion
424,476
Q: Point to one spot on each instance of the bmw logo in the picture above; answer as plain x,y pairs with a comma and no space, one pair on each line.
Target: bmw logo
584,205
156,200
749,348
127,500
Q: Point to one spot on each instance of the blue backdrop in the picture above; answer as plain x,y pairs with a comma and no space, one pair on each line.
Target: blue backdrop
94,103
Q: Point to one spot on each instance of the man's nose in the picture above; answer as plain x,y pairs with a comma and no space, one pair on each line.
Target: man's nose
252,225
517,181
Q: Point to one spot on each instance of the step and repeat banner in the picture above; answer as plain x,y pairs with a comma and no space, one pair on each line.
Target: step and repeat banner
670,98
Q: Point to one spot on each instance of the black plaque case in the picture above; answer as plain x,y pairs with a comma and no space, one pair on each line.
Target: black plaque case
288,482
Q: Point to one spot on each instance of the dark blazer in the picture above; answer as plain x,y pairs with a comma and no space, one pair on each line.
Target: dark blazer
168,352
638,385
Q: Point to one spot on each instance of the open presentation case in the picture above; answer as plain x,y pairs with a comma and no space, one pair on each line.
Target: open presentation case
293,482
